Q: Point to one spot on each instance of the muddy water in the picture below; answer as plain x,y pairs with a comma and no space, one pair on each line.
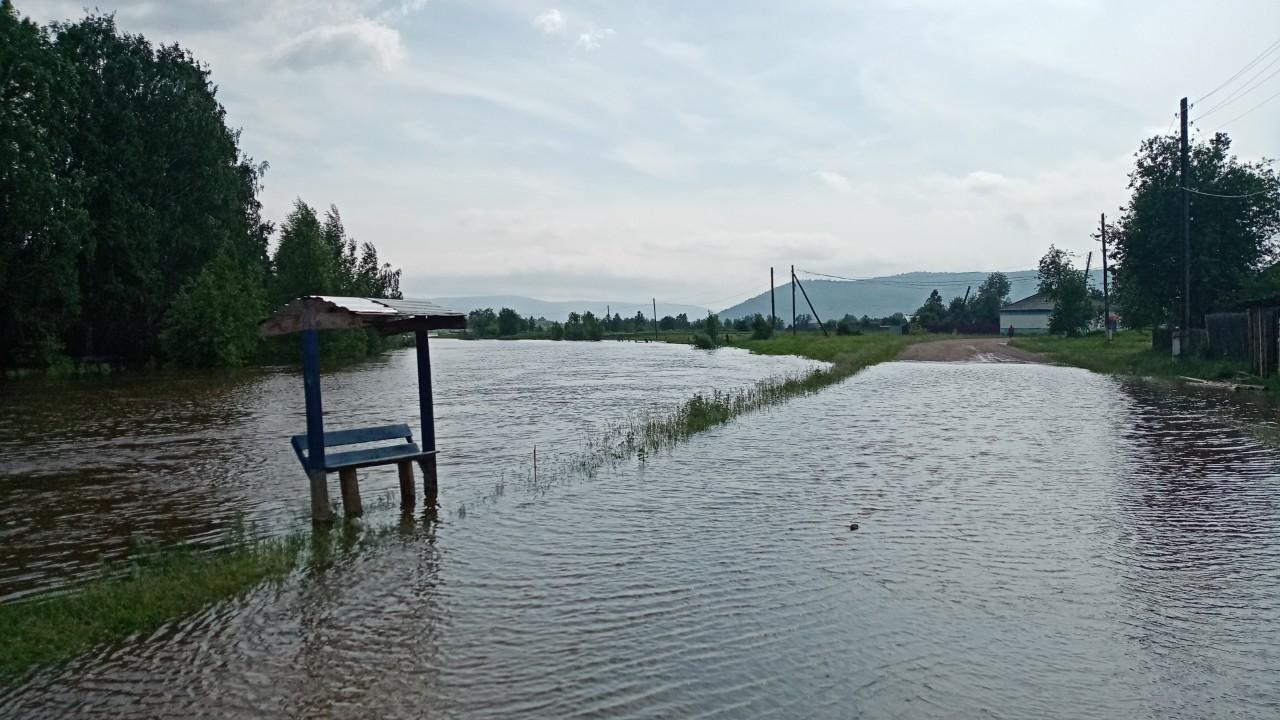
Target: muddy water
86,466
1034,542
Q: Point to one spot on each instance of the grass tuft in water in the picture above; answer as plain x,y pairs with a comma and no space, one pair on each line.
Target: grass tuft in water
139,596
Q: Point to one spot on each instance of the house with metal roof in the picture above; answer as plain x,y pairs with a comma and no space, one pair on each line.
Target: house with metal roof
1028,316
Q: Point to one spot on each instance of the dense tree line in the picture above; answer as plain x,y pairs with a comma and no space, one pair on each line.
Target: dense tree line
977,313
130,225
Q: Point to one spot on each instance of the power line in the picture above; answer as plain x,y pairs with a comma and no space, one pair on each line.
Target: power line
901,283
1241,71
1209,194
1239,93
1246,112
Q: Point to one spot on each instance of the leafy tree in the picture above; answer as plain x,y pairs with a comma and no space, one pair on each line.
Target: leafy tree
508,322
803,321
712,327
304,261
933,314
761,329
667,323
213,319
591,328
1073,308
992,295
1232,238
555,331
1067,286
43,223
482,323
166,189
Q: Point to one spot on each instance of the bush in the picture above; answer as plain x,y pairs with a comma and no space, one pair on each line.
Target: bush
213,320
761,329
703,341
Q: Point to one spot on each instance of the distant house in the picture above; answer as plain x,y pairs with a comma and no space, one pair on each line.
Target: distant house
1028,316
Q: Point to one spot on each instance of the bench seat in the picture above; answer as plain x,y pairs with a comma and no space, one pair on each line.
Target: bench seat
397,452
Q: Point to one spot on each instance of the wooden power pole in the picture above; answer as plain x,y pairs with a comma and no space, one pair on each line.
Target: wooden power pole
1106,288
655,318
793,300
1185,175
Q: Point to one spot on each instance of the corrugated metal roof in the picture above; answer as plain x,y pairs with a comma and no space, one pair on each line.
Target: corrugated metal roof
417,308
1035,303
359,305
331,312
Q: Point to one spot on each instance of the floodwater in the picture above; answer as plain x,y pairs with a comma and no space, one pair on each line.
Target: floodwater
1033,541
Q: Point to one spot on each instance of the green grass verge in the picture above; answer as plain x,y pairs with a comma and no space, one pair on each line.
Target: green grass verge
644,433
151,589
1130,353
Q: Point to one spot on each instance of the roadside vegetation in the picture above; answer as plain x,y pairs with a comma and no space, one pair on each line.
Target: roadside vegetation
1130,353
152,588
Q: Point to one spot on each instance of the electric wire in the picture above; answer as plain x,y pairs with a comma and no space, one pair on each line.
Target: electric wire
1273,46
1241,92
1246,112
1216,195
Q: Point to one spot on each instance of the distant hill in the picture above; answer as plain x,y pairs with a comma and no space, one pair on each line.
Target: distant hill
880,297
559,310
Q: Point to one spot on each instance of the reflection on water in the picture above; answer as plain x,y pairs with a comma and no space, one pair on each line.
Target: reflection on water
1034,542
83,465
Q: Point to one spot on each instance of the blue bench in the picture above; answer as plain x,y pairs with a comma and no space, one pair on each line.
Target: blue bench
404,451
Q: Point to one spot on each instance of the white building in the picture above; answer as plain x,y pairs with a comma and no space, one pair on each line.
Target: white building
1028,316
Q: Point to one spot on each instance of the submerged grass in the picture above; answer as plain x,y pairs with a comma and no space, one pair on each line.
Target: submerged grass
155,587
140,596
645,433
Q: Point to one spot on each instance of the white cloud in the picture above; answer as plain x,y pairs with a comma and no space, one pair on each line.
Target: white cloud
834,180
550,21
984,182
590,40
360,43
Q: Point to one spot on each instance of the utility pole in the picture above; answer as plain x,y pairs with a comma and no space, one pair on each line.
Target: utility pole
1186,232
1106,289
655,318
793,300
773,309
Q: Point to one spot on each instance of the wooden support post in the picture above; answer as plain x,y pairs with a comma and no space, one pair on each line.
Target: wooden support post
430,488
351,506
408,495
320,510
428,413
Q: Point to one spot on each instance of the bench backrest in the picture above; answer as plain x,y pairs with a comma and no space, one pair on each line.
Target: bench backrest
355,437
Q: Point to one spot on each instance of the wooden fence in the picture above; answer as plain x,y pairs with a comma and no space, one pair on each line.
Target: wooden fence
1228,335
1264,353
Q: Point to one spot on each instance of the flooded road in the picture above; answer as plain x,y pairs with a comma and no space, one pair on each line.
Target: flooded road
85,464
1033,541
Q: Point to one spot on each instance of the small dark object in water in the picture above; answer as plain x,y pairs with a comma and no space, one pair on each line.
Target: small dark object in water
853,526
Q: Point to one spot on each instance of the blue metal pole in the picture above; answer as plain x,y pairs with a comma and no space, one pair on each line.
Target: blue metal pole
427,409
424,391
311,391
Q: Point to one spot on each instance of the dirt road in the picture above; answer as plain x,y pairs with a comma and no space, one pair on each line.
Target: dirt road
994,349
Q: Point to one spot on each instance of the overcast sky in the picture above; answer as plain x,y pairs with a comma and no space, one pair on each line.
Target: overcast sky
624,150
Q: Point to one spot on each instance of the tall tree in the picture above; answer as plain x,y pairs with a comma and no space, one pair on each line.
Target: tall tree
993,293
933,313
1232,237
167,187
304,262
42,218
